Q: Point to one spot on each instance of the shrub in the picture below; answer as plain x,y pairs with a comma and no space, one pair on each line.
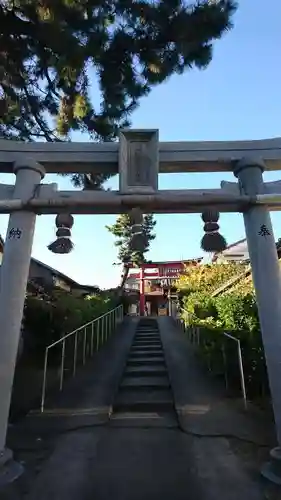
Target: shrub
221,356
49,317
208,277
237,312
234,312
199,306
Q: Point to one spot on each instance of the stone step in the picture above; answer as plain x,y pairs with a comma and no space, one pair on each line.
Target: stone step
147,333
141,383
165,419
146,401
145,371
146,347
152,328
159,360
145,354
147,341
145,336
148,327
146,344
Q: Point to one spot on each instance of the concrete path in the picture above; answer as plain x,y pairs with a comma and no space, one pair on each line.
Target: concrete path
142,456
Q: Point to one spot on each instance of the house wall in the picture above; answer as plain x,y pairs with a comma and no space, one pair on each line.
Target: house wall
60,283
37,271
78,292
236,252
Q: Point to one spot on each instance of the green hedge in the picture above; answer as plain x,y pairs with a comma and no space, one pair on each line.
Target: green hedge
220,356
237,315
49,317
237,312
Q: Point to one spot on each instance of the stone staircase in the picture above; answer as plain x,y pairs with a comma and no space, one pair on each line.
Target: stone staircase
144,393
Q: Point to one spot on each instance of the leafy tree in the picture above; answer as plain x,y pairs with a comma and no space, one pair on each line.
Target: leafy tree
122,232
208,277
53,50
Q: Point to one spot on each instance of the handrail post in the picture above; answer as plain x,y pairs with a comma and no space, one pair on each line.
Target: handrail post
98,334
44,380
242,377
62,365
102,330
241,369
92,339
84,345
75,354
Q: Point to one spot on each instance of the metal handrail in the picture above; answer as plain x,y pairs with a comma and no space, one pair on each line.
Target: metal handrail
80,328
241,369
194,337
106,323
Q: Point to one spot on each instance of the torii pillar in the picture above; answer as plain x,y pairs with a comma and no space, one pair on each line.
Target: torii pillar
267,282
142,291
14,275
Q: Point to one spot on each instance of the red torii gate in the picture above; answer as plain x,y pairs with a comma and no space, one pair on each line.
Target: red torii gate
160,270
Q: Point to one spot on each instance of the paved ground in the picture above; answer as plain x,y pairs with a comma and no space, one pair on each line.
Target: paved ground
75,451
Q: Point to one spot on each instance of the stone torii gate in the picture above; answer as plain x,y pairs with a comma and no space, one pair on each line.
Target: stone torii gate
138,158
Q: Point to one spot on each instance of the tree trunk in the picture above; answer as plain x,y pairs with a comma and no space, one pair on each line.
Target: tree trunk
124,278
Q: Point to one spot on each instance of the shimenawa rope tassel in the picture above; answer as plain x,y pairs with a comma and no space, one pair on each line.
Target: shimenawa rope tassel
63,243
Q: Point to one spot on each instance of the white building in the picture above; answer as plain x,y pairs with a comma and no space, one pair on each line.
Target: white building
236,252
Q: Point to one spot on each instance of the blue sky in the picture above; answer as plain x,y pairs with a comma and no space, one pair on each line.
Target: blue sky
237,97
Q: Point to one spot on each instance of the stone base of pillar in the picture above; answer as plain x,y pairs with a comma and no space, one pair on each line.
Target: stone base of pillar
9,470
272,469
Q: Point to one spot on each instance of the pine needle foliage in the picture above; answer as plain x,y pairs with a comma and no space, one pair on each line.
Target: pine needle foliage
53,50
